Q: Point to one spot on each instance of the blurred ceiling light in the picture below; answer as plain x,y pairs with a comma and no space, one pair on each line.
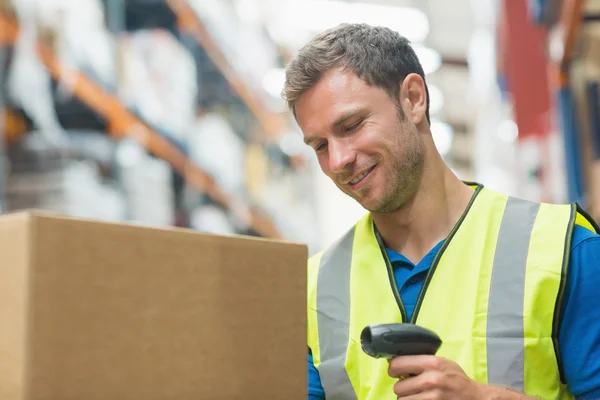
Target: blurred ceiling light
484,13
273,81
247,10
430,59
556,43
442,134
508,131
317,15
436,99
291,143
481,58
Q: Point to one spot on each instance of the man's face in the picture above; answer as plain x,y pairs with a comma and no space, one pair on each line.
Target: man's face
362,143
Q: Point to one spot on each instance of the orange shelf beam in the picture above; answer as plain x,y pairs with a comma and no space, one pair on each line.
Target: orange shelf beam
570,21
571,15
14,125
123,123
272,123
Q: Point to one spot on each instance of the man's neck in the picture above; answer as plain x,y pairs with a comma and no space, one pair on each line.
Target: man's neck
428,218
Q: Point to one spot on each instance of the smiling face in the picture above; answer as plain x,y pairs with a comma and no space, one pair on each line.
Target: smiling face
362,141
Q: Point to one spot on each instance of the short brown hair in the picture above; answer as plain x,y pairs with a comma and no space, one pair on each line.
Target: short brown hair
379,56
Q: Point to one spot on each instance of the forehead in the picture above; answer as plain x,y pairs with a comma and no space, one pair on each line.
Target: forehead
336,93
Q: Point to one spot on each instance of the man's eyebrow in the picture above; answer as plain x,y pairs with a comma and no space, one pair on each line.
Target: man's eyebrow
310,140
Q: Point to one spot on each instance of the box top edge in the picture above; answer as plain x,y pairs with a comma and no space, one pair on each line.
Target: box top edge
35,214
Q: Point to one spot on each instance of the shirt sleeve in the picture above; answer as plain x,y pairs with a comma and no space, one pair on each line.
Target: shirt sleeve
579,334
315,389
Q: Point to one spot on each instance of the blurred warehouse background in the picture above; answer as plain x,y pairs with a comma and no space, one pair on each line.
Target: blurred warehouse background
168,112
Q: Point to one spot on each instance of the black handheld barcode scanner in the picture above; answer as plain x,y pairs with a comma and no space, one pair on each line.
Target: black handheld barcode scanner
391,340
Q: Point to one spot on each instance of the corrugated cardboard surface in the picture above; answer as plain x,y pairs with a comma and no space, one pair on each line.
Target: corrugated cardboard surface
14,293
128,313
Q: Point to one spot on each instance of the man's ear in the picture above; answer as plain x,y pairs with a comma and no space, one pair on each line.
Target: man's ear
413,98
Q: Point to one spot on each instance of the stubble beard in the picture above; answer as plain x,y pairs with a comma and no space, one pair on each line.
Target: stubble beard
406,171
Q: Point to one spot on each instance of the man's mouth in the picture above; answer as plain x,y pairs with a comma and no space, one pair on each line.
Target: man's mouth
361,177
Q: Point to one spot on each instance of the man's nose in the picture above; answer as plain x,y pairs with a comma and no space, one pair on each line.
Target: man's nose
341,154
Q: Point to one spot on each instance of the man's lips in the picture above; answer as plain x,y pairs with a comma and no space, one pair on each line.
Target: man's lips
357,179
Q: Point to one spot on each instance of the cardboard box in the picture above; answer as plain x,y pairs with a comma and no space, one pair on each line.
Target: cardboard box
99,311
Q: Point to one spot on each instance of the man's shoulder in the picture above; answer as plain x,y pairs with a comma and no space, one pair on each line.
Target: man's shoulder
582,234
580,313
585,233
584,259
586,243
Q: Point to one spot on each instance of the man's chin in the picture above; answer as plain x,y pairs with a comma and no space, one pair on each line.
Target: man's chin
369,204
379,207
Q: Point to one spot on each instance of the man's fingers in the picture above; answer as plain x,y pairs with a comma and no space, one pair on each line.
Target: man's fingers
406,387
429,382
432,396
413,365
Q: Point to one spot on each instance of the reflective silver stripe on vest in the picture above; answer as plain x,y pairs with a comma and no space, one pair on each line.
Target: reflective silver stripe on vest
333,318
505,330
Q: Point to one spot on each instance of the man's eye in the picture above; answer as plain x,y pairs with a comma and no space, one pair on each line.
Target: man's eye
321,146
352,127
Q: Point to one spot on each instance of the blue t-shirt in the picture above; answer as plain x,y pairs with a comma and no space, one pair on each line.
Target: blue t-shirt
579,334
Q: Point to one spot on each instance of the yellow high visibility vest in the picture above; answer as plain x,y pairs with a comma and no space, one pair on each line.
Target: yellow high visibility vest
493,295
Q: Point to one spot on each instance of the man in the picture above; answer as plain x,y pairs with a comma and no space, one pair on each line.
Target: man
509,285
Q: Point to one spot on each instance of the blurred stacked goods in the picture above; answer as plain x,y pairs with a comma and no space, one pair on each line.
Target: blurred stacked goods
147,184
551,69
42,177
574,51
194,139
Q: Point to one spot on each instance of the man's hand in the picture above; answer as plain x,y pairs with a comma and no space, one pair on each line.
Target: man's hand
431,377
